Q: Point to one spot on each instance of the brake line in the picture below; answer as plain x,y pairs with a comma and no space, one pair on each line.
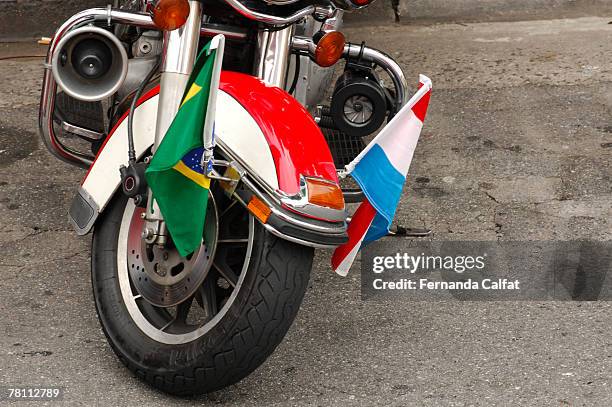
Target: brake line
137,95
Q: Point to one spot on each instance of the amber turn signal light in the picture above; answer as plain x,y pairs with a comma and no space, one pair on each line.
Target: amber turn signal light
330,48
324,193
169,15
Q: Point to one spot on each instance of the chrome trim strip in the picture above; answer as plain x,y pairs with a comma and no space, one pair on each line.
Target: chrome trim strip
274,231
271,197
295,221
82,132
296,240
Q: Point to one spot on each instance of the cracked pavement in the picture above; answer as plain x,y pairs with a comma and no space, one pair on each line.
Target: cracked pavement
517,146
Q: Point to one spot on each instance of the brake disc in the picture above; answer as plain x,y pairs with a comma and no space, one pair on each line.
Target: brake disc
160,274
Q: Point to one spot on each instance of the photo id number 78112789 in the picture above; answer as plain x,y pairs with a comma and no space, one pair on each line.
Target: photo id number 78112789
30,393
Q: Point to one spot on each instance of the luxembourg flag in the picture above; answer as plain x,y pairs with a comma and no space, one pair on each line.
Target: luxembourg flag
381,170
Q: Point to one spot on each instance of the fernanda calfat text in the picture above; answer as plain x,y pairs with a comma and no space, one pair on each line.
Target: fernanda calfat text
426,284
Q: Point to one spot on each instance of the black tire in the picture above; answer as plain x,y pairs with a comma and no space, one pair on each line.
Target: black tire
256,322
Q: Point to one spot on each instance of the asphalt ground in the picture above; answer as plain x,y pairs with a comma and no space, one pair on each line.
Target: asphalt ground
517,146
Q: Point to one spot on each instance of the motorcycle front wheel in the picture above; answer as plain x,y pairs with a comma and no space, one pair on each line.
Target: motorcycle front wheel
194,325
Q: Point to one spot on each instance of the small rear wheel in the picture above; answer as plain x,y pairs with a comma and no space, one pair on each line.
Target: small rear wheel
193,325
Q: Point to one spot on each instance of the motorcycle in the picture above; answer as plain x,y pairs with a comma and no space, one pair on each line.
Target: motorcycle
113,83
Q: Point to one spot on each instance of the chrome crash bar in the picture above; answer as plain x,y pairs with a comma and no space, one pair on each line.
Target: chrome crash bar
49,86
306,46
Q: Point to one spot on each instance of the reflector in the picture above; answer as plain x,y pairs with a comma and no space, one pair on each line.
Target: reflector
259,209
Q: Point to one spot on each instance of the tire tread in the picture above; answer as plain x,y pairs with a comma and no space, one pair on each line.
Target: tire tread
277,290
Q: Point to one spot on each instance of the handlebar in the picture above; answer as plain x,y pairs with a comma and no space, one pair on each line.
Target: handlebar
320,11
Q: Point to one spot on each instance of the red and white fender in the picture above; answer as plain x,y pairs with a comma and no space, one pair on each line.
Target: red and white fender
271,133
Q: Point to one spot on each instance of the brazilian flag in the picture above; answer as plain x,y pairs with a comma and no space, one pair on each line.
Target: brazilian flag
175,174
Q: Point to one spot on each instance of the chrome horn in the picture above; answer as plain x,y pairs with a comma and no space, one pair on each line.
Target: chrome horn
89,63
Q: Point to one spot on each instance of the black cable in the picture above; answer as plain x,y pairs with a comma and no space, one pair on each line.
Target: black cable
131,148
296,75
21,57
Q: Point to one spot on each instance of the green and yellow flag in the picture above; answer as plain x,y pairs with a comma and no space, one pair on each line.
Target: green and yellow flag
175,174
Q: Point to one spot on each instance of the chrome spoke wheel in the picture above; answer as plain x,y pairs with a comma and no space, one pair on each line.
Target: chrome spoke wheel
176,300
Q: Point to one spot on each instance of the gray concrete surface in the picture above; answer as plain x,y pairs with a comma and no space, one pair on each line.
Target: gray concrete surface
32,19
41,17
422,11
527,101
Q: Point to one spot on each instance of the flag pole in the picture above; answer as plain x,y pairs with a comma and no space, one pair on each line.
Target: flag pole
426,86
217,44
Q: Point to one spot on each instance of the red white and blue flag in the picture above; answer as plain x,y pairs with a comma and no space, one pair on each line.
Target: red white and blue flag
381,170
